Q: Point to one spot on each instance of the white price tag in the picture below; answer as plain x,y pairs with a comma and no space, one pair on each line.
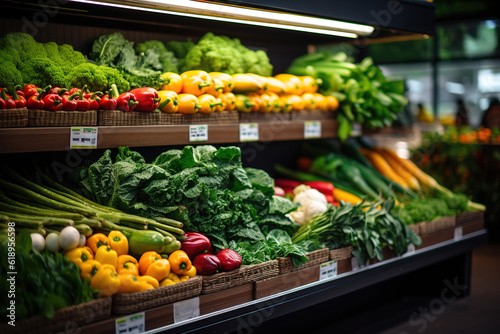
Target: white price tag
410,251
132,324
83,137
354,263
198,132
312,129
327,270
356,130
186,309
249,132
458,233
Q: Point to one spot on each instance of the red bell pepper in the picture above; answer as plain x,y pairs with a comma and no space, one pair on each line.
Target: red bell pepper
286,183
52,102
127,102
19,100
73,90
108,101
94,100
2,103
69,102
59,91
29,90
195,244
148,98
35,101
9,102
206,264
82,104
304,164
326,188
229,259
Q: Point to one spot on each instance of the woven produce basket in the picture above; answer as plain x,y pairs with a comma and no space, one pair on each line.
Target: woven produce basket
414,228
37,117
341,253
199,118
251,117
317,257
469,217
436,225
13,118
128,118
124,303
311,115
240,276
68,317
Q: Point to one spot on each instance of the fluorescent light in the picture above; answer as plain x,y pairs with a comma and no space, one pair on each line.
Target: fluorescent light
235,14
455,88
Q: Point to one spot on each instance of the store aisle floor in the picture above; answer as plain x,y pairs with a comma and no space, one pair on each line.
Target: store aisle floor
477,313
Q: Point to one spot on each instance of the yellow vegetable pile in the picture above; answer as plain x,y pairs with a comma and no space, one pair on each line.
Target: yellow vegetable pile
197,91
105,261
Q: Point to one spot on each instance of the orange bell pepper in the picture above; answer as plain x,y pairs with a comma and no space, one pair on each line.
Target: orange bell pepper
216,87
195,82
146,260
228,101
127,264
129,283
180,262
97,240
159,269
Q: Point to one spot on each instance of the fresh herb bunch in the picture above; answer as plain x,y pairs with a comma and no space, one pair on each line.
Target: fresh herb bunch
45,282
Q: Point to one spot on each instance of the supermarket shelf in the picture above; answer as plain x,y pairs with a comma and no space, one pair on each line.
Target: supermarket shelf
18,140
315,293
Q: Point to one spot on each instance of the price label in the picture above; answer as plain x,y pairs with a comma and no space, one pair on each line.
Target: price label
132,324
356,130
458,233
410,251
186,309
83,137
249,132
312,129
198,132
354,263
327,270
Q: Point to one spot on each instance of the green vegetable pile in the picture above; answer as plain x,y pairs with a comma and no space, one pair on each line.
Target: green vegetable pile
206,188
45,282
366,227
216,53
366,96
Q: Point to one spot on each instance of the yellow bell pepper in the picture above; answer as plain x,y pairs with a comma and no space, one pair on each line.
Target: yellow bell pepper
106,281
219,106
309,101
333,103
173,277
309,84
188,104
226,79
166,282
321,102
276,102
118,242
228,101
184,278
195,82
149,281
159,269
172,81
88,269
129,283
146,260
191,272
79,255
180,262
267,103
293,85
244,103
127,264
207,103
97,240
90,250
294,100
106,255
169,101
216,87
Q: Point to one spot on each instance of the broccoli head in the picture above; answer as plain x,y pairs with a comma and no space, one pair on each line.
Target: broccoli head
24,44
97,78
41,71
10,76
69,57
180,49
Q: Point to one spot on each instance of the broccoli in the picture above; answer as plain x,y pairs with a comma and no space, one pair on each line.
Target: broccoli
165,59
24,44
97,78
10,76
41,71
180,49
224,54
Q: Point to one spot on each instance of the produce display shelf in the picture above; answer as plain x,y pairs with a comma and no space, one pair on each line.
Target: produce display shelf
45,139
310,295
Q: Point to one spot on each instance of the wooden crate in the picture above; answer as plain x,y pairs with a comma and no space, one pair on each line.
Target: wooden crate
226,298
285,282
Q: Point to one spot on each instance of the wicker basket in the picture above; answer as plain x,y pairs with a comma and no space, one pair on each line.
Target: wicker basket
414,228
469,217
240,276
124,303
69,317
13,118
128,118
317,257
252,117
436,225
198,118
37,117
311,115
341,253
